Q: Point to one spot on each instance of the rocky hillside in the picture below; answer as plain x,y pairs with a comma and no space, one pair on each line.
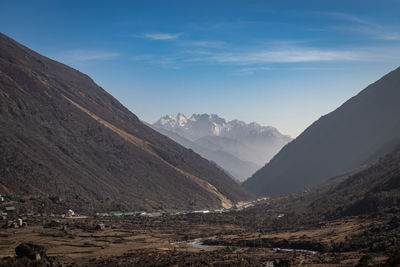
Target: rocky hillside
373,190
66,143
362,129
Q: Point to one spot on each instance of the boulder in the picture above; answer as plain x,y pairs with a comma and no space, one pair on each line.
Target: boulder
52,224
30,251
100,227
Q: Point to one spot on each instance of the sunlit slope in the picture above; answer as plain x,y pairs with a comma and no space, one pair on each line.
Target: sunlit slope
62,135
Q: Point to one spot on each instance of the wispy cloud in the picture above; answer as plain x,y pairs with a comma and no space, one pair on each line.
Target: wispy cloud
142,57
359,25
283,55
204,43
394,36
253,60
231,24
377,32
165,61
249,60
160,36
342,16
87,55
249,71
316,29
286,42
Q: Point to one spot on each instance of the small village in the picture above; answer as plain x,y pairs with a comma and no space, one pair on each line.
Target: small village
12,217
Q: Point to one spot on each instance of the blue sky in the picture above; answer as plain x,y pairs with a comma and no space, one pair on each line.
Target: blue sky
279,63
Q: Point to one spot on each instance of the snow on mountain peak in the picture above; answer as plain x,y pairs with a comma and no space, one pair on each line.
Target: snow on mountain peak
238,147
200,125
181,119
172,120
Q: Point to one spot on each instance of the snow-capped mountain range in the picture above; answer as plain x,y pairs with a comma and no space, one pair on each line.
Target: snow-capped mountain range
238,147
200,125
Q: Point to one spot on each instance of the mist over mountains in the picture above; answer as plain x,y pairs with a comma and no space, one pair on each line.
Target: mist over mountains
238,147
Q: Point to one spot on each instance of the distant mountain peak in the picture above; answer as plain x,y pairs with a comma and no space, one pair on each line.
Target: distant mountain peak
237,146
173,120
213,125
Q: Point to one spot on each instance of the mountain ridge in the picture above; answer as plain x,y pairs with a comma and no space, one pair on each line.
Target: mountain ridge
62,135
359,130
219,127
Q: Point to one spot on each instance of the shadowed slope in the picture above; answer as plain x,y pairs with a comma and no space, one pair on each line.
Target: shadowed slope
362,129
374,189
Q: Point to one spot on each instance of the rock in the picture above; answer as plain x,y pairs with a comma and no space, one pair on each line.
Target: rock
100,227
52,224
30,251
11,224
282,263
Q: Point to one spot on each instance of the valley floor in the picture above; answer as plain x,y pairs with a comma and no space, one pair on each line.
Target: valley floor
190,240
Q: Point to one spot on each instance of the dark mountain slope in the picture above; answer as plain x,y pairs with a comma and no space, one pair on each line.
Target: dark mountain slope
371,190
62,135
362,129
